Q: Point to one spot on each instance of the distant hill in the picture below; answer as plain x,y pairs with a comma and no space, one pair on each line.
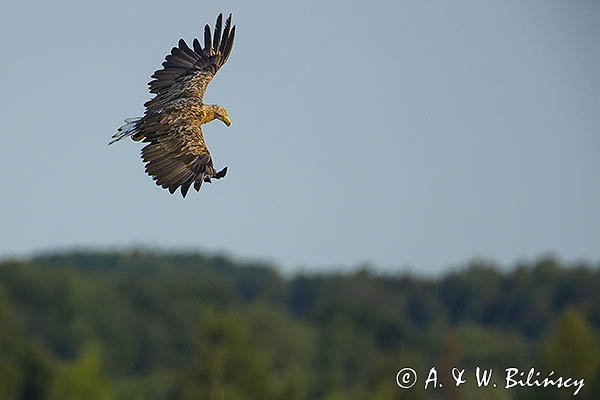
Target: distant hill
185,326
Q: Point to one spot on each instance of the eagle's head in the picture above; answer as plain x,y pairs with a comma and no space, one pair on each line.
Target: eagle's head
221,113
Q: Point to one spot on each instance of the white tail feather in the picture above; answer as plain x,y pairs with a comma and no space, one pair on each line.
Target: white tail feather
127,130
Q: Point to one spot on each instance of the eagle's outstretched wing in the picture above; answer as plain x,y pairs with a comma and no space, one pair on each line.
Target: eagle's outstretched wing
176,154
187,72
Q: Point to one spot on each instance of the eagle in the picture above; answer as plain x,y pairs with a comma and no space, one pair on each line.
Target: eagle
176,155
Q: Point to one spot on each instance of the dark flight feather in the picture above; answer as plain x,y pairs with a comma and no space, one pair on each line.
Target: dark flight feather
218,25
207,39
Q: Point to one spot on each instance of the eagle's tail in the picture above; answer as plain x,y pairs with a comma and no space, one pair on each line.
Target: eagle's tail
127,130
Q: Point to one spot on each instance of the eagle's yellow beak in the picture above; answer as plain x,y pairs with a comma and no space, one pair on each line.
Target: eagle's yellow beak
226,120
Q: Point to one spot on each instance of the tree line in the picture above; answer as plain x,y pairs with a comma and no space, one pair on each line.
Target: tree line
146,325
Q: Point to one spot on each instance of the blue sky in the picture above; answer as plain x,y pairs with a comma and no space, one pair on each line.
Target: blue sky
404,134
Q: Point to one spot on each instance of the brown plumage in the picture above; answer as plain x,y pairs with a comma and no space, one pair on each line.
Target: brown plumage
176,155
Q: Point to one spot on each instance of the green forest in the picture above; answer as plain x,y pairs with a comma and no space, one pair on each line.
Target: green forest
152,325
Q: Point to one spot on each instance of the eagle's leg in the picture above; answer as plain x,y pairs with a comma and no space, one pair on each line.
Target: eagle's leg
218,175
